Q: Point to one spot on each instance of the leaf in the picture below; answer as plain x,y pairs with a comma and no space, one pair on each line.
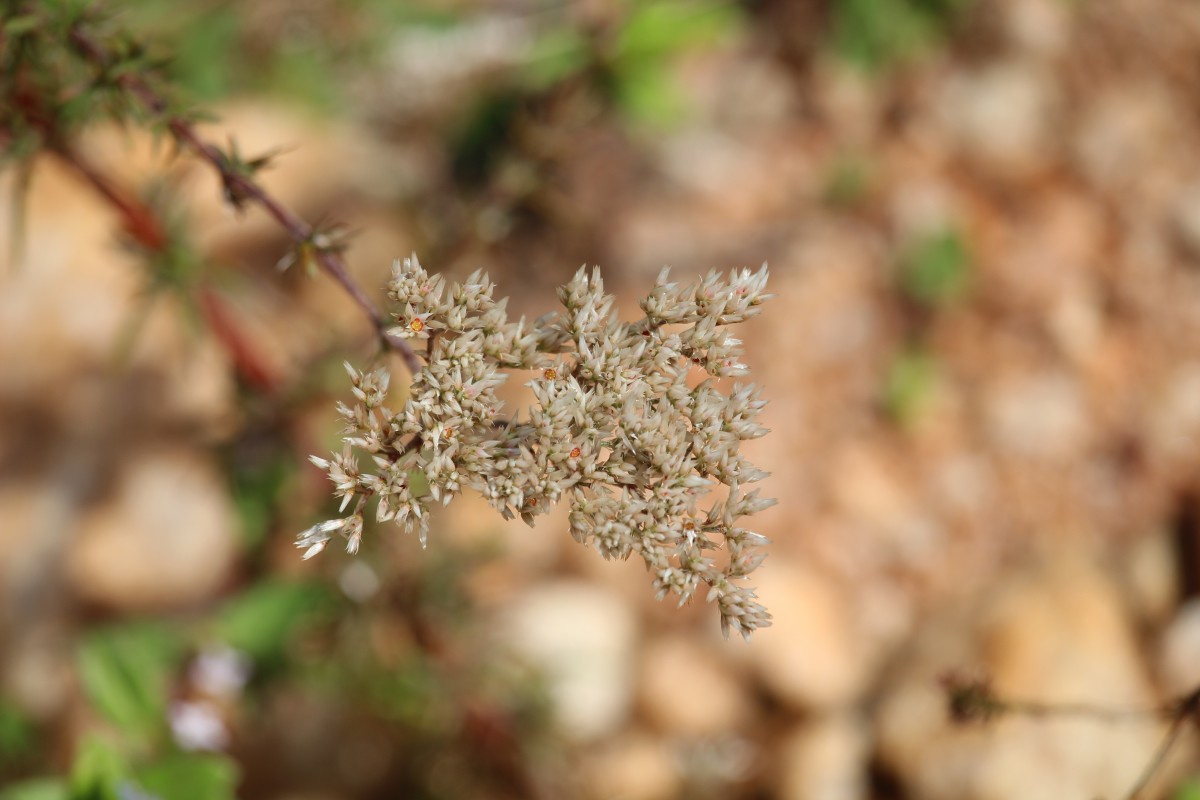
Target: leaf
16,734
98,772
124,672
648,95
191,777
555,55
1188,790
911,378
37,789
20,24
936,269
659,29
262,621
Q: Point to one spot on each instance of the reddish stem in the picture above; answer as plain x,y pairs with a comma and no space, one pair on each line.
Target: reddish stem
244,186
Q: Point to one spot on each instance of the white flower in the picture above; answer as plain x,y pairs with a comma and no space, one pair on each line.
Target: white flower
618,425
316,537
197,725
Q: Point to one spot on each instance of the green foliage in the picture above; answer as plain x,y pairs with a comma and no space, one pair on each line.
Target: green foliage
485,137
935,269
37,789
908,384
653,35
556,55
308,59
124,671
262,621
16,733
98,772
872,34
1188,790
848,181
190,777
256,490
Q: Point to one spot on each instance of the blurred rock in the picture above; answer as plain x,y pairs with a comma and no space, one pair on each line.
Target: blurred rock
1003,116
1174,412
36,670
1041,27
1125,133
1149,569
1179,651
825,759
633,766
1187,219
1058,634
582,638
1037,415
814,655
686,689
166,538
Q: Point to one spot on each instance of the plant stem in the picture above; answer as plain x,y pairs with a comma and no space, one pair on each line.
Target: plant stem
246,187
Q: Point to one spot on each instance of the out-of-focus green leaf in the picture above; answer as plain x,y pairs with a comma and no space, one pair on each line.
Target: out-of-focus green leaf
936,268
16,733
262,620
124,672
256,490
22,23
647,95
658,29
37,789
558,53
848,181
1188,790
191,777
484,138
98,772
872,34
909,382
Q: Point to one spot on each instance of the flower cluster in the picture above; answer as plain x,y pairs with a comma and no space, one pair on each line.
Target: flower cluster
628,426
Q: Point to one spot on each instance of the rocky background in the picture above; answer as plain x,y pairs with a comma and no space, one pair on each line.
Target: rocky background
983,225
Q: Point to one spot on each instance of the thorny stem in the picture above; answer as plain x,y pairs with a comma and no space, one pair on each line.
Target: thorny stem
245,187
973,699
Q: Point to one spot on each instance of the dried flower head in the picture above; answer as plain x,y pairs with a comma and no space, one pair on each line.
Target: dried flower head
622,427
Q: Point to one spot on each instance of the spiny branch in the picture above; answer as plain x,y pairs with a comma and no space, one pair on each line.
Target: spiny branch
242,187
973,699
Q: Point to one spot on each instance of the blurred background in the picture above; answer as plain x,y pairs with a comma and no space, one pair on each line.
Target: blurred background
982,219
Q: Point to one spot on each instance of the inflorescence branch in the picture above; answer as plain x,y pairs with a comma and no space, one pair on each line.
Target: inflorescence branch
628,426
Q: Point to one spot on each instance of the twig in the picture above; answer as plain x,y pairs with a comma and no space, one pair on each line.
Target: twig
1184,711
245,188
972,699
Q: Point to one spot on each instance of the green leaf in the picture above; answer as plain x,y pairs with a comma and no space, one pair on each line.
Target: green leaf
98,771
935,270
124,671
16,734
37,789
648,95
873,34
262,621
655,30
191,777
1188,790
848,182
909,383
555,55
20,24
